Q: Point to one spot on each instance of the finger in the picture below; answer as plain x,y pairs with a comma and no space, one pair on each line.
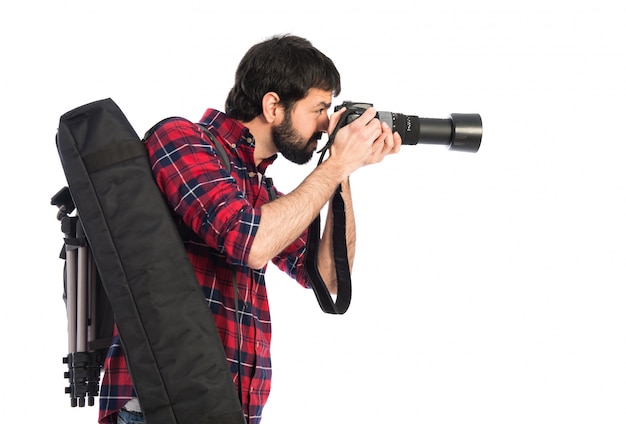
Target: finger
388,137
396,142
381,146
391,142
366,117
334,119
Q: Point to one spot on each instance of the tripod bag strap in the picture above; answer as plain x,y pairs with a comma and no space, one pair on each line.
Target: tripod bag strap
216,144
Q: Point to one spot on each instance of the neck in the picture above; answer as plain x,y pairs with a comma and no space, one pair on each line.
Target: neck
261,130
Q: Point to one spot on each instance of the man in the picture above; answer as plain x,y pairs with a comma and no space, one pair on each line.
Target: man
279,104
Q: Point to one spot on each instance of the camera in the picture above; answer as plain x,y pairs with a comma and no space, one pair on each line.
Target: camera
461,131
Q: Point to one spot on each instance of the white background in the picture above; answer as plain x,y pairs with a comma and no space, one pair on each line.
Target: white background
488,287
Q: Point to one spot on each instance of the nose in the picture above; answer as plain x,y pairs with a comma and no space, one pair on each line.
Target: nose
323,122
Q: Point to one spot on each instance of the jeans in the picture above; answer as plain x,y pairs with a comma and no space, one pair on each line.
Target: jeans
129,417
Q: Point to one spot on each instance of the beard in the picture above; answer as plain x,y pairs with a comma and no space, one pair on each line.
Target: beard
291,144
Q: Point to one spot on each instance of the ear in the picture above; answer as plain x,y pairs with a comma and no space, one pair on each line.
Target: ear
272,110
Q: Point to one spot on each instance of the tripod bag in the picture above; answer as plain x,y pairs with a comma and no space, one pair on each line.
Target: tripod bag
173,351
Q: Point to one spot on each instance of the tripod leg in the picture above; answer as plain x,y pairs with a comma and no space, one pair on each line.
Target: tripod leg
93,371
71,287
81,294
93,289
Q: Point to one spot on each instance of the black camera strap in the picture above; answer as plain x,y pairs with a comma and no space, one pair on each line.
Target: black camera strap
340,252
342,267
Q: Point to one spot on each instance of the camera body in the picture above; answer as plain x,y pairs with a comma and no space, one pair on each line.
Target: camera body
460,132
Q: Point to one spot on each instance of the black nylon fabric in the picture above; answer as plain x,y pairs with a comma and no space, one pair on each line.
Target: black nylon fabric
342,267
173,350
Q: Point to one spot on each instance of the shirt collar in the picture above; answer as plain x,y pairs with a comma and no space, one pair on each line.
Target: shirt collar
233,131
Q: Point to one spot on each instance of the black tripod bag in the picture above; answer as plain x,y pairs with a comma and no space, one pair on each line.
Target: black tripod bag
174,353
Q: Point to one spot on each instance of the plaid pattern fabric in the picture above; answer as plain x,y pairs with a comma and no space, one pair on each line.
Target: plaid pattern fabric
223,210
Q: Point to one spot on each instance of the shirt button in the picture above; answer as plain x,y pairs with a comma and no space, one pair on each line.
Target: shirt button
249,140
251,174
233,145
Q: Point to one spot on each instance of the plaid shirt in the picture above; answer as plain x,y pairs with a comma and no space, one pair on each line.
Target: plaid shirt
224,210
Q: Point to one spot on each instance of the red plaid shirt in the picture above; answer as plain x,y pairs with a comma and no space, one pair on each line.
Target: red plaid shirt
224,210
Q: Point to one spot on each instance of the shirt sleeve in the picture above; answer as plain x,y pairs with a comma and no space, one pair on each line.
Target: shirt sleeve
291,260
200,190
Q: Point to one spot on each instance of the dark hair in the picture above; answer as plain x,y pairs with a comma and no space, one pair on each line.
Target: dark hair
287,65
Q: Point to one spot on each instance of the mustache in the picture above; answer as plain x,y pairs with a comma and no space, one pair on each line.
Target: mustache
316,137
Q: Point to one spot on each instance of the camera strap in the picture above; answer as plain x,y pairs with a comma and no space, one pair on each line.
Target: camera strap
340,304
342,267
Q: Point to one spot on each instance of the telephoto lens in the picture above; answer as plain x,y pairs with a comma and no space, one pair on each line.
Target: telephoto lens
460,132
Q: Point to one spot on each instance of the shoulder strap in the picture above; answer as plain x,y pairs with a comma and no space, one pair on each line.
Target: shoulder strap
216,144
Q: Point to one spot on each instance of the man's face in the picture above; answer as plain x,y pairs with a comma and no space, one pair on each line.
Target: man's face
297,135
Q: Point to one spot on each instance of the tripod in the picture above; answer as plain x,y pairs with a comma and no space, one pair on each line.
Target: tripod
85,352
